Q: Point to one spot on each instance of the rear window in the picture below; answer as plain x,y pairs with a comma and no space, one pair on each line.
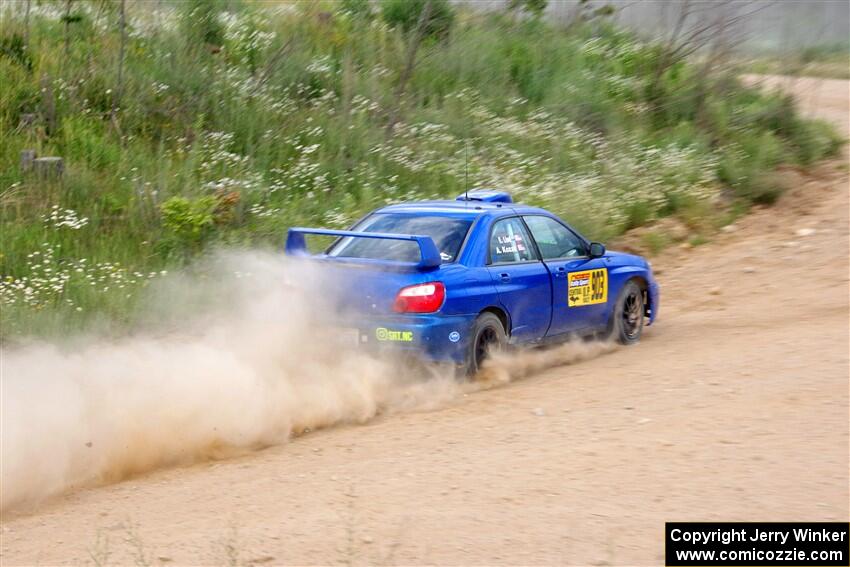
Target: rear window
447,233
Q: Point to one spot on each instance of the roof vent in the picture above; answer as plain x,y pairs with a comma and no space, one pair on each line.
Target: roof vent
486,197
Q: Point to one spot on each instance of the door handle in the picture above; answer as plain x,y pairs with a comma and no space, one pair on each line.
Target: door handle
505,277
560,272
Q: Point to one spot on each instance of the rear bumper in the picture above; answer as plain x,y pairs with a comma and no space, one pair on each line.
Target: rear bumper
433,338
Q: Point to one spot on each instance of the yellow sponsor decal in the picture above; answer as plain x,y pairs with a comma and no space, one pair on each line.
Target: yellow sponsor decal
587,287
383,334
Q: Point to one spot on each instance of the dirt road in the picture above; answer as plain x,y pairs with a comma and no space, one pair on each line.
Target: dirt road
734,407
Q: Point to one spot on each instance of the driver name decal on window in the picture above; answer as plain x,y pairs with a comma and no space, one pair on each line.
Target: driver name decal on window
587,287
508,245
508,242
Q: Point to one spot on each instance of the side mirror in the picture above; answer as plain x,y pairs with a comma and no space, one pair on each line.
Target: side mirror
597,249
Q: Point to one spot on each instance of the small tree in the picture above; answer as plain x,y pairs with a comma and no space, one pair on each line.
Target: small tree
119,87
406,14
419,19
68,18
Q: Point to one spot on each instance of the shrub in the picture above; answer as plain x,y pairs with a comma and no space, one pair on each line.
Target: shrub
405,15
765,188
815,140
189,221
742,163
200,23
13,48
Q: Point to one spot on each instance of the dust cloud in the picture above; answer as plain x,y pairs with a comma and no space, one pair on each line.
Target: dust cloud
233,359
504,367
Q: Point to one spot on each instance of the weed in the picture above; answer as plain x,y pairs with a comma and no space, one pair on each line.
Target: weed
656,241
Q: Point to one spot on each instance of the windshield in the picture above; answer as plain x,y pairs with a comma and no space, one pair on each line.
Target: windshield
447,234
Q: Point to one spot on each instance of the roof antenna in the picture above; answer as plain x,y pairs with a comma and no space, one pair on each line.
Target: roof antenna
466,171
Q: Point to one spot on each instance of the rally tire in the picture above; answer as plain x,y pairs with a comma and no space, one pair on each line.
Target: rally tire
487,335
626,322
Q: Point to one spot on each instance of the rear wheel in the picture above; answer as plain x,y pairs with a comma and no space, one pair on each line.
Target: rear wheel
626,323
488,336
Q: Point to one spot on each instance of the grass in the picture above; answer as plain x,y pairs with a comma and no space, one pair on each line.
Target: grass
697,240
826,61
237,120
656,241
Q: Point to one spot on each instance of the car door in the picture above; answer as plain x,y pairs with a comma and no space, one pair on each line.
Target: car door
579,283
521,280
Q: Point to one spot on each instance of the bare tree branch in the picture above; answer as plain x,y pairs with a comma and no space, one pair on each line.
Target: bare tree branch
119,87
67,26
713,29
27,24
270,66
410,64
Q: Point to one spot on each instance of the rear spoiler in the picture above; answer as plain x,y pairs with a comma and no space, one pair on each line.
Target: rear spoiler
429,253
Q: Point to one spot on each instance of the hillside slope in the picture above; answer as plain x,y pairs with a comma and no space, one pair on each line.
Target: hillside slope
190,128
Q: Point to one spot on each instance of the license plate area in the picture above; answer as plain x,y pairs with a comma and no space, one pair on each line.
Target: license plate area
350,337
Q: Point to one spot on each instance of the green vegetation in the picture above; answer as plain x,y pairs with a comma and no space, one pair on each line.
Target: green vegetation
656,241
826,61
232,121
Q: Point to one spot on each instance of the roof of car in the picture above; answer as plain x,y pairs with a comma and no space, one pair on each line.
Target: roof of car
458,208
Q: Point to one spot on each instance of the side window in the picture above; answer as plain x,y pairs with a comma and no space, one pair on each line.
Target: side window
554,240
509,242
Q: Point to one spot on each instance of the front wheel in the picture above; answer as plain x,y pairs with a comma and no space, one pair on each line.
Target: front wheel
626,322
488,335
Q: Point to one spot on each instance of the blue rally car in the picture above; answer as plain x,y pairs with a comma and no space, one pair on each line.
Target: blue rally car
451,280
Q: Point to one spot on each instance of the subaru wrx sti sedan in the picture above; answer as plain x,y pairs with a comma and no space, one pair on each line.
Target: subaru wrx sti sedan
449,281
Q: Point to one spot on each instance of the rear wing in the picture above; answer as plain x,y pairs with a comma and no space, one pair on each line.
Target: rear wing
428,251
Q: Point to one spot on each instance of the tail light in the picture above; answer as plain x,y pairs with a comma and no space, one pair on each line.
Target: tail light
421,298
